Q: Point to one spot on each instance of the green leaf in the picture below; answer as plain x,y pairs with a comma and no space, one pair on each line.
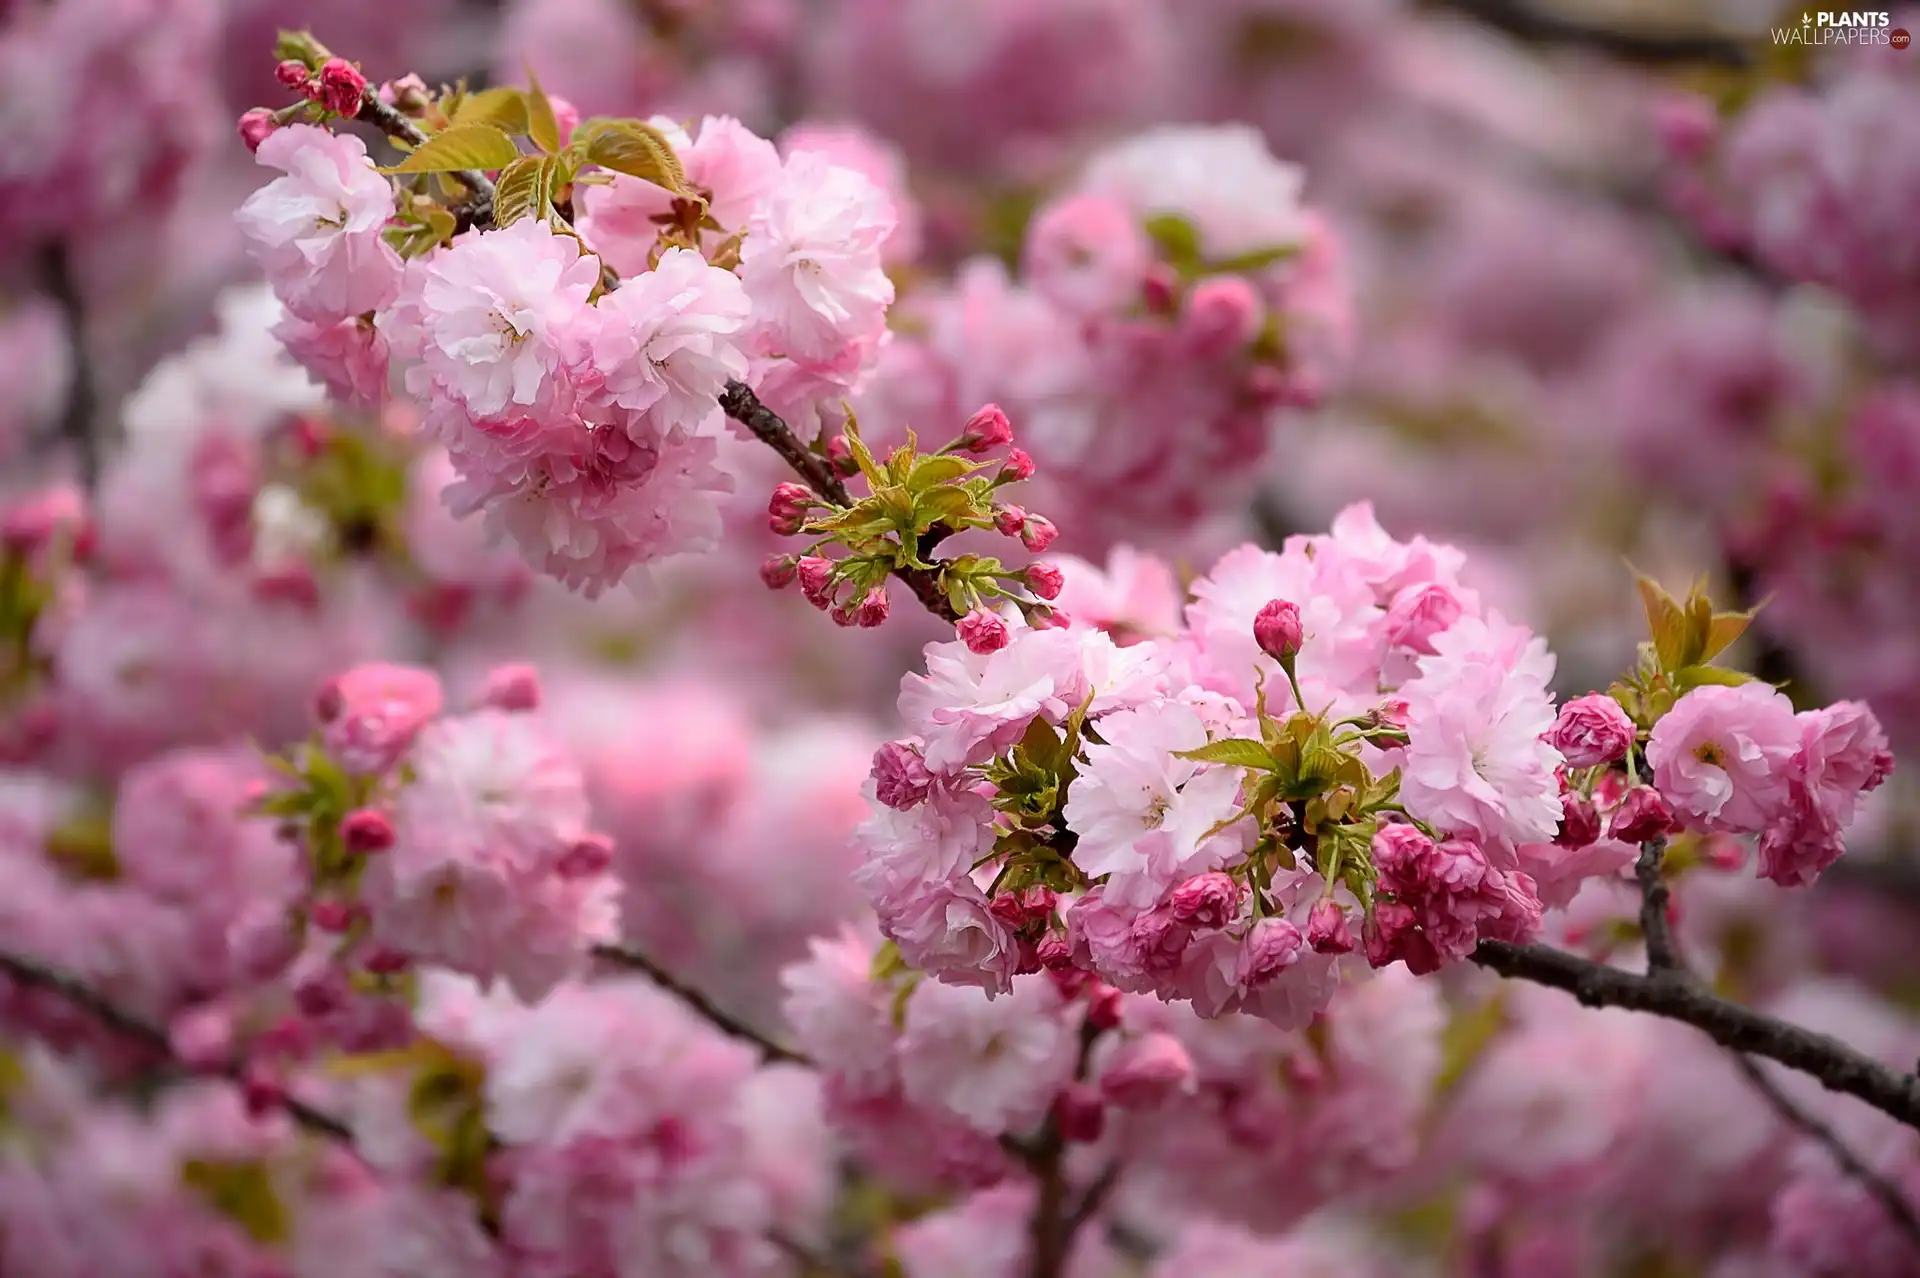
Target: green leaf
1667,623
869,468
941,505
1238,752
635,148
1176,237
542,126
243,1192
900,465
1724,630
1248,263
504,108
522,189
1688,677
938,470
887,963
462,146
1466,1039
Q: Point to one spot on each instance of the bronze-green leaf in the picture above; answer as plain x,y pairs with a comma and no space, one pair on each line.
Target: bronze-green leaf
1238,752
635,148
522,189
504,107
463,146
542,125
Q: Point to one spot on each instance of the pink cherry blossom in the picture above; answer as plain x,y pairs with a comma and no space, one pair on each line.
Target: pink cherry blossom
316,231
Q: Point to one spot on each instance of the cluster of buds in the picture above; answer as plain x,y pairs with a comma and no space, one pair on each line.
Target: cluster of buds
915,502
328,86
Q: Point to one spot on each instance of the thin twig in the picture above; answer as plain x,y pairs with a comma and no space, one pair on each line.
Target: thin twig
1898,1208
29,973
77,422
1095,1197
1051,1229
722,1020
391,122
1524,22
743,406
1664,993
1656,902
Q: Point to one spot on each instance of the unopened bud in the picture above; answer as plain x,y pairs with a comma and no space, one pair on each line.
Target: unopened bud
1327,930
293,74
1079,1114
1045,580
1159,291
591,855
840,455
1056,953
366,830
342,87
1147,1072
408,95
816,580
254,127
1009,520
387,962
1223,314
1277,629
987,429
1018,467
513,687
1643,814
900,776
873,609
779,571
332,916
1104,1003
983,632
1038,533
1579,821
1206,900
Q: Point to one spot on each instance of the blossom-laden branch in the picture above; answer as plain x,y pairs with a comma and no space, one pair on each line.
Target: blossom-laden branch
1665,993
77,423
1524,22
120,1021
1656,909
732,1026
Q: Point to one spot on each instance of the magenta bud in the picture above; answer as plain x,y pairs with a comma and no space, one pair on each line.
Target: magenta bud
840,455
293,74
1147,1072
332,916
366,830
779,571
1327,930
1579,821
1045,580
513,687
1019,467
386,962
1206,900
816,580
1278,631
1038,533
1160,290
254,127
261,1091
342,87
983,632
591,855
873,609
1104,1003
900,776
1009,520
1056,954
1643,814
986,429
1079,1114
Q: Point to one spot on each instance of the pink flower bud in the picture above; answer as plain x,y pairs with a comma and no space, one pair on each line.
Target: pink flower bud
332,916
1400,850
261,1091
1050,619
1019,467
1393,935
1079,1113
1277,629
366,830
1045,580
1327,930
1643,814
321,994
1223,314
1009,520
1591,731
840,454
408,95
1056,953
1206,900
779,571
900,775
254,127
293,74
790,500
1104,1004
1272,946
816,580
842,614
983,632
1147,1072
1160,289
1418,613
342,87
292,583
372,713
202,1037
31,525
1038,533
387,962
1579,821
987,429
1160,940
1686,124
873,609
513,687
592,854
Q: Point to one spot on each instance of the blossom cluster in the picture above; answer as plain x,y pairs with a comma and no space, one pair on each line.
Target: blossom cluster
1343,750
583,418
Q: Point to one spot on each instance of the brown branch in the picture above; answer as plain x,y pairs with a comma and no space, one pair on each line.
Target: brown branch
1899,1210
1051,1229
394,124
82,403
743,406
1656,923
1670,994
102,1009
1660,48
705,1007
